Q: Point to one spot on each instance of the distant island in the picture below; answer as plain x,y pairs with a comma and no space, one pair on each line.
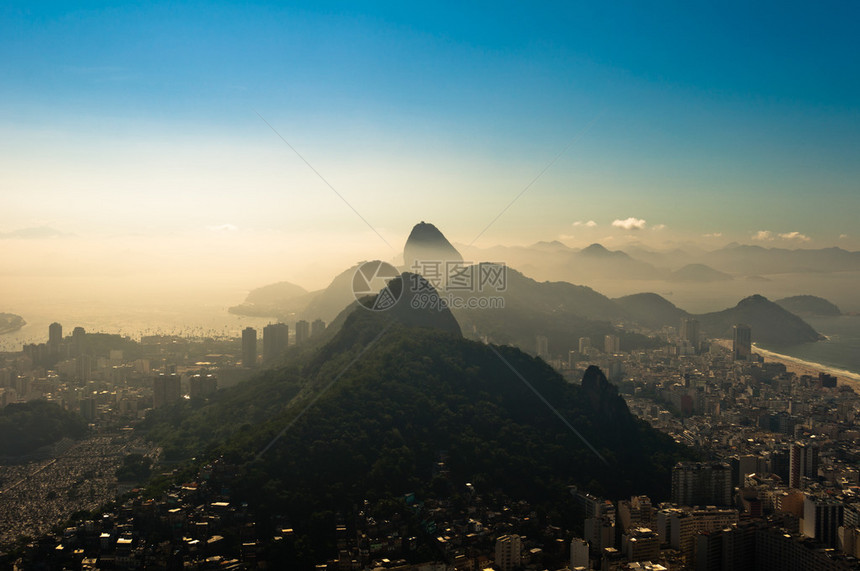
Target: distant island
10,322
809,306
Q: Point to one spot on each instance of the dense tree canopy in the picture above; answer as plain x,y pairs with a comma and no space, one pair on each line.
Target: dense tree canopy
25,427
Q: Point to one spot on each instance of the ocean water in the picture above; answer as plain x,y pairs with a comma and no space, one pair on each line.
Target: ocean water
841,349
191,320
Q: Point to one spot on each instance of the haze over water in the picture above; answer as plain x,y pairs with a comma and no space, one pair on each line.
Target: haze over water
147,184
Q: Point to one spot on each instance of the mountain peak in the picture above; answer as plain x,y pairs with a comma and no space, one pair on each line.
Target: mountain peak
754,300
599,251
427,244
602,396
416,303
595,248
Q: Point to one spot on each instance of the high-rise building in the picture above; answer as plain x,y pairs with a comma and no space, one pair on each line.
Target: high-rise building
690,332
803,463
584,344
640,544
612,344
741,342
55,338
686,524
542,345
709,551
83,367
317,327
88,408
79,336
599,531
275,339
579,553
702,483
635,512
166,389
249,347
822,517
303,331
827,381
508,552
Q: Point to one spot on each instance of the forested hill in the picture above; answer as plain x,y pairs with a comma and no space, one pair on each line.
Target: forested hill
25,427
392,401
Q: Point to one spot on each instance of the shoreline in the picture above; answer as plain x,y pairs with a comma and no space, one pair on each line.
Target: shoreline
801,367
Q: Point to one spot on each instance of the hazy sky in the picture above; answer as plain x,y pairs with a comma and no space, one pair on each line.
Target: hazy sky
131,137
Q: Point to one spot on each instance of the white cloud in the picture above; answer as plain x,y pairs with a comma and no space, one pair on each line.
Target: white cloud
658,227
794,236
843,236
713,235
630,224
589,224
763,235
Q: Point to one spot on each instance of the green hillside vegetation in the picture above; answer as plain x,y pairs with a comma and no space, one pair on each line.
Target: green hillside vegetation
25,427
387,401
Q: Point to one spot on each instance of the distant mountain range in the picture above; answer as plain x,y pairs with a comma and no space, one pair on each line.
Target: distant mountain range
771,324
559,310
698,273
757,260
554,260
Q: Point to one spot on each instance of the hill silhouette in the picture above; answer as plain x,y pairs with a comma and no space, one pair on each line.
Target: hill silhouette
373,412
597,260
427,243
561,311
564,312
698,273
651,310
280,299
10,322
770,323
808,305
756,260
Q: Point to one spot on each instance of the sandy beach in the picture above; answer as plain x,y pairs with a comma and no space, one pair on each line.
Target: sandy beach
800,367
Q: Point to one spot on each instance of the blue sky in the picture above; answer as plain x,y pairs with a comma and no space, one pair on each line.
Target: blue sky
708,123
